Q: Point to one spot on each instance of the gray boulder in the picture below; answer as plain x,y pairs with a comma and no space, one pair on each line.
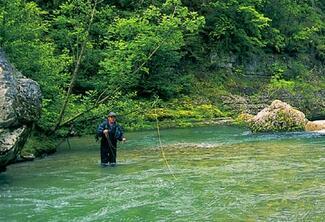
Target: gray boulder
20,106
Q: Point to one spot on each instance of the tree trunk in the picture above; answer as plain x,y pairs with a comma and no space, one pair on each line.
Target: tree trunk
76,70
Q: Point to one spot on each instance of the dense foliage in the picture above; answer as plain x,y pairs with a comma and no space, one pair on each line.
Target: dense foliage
124,54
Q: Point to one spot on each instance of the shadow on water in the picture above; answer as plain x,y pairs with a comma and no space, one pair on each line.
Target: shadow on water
222,173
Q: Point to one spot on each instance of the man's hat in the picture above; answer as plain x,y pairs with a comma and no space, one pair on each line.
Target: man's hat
112,114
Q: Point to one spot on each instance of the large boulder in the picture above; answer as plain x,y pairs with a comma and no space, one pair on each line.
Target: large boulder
20,105
279,116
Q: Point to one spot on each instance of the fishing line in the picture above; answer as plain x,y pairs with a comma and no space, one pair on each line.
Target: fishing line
155,110
159,140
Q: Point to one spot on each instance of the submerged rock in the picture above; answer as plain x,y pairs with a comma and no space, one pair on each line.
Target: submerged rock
20,105
279,116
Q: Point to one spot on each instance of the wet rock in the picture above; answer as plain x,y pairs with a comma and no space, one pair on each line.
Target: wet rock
20,106
279,116
24,158
318,125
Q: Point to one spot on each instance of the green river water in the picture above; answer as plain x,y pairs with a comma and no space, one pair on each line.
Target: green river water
216,174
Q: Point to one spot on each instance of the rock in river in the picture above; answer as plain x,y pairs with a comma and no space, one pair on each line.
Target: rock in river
316,126
20,106
279,116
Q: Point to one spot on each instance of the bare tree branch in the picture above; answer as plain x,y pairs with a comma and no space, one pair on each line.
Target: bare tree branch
76,69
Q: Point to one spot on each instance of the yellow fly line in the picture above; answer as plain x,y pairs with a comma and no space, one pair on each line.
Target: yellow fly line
159,140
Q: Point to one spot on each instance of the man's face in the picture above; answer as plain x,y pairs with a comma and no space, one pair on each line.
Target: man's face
111,119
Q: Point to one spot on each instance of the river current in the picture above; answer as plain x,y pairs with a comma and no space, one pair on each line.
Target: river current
219,173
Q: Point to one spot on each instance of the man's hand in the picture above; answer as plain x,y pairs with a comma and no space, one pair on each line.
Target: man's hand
105,132
123,140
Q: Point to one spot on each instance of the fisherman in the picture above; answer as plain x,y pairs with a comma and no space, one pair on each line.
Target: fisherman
110,132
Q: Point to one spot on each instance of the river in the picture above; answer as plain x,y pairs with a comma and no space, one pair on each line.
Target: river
219,173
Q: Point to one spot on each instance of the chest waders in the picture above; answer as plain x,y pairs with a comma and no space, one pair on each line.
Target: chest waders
108,149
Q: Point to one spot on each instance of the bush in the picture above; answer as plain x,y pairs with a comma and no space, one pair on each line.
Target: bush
40,145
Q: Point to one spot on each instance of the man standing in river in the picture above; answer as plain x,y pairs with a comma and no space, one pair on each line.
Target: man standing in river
110,132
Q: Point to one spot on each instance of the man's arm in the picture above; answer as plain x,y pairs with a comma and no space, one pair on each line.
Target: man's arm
101,128
119,133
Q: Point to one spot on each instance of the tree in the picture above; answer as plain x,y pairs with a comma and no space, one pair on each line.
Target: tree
25,40
300,23
237,25
143,51
81,34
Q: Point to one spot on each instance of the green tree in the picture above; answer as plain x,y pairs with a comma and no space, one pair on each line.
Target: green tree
239,26
143,51
24,38
79,15
301,23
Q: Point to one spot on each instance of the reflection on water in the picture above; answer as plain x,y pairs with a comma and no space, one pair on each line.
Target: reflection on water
222,174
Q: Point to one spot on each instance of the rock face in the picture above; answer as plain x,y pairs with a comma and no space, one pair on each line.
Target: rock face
279,116
20,106
243,104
